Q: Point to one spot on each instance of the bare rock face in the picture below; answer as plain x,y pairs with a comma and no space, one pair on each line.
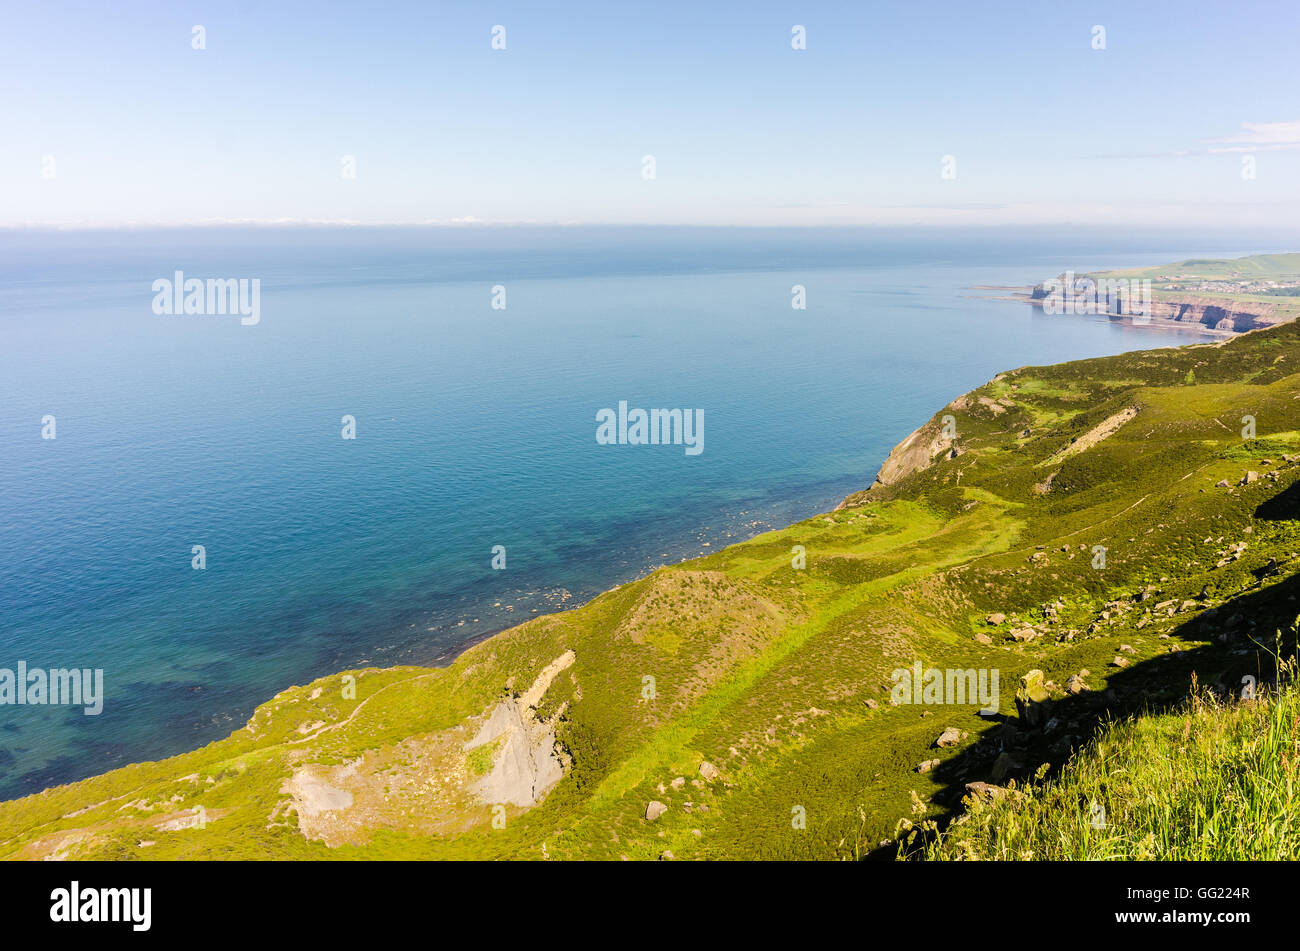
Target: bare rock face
526,765
1102,431
528,762
916,452
313,795
1219,313
1223,313
319,803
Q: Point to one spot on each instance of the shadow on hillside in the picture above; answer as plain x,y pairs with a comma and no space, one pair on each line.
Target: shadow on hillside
1243,636
1285,505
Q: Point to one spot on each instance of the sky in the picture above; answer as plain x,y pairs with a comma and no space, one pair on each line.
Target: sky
109,115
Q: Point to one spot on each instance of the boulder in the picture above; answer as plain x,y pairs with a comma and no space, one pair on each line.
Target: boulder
985,792
1003,766
1032,699
995,619
710,772
654,810
951,736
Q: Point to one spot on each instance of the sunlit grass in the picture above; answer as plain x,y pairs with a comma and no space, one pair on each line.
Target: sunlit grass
1211,781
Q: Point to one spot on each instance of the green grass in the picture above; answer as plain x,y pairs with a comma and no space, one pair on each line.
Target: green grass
1259,267
480,758
1211,780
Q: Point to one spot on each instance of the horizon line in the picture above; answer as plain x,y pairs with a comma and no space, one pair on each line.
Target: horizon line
342,224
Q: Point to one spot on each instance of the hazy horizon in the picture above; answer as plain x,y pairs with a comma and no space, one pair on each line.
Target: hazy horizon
755,115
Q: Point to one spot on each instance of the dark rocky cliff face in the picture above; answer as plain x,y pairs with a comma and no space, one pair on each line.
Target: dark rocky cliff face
1222,313
1219,313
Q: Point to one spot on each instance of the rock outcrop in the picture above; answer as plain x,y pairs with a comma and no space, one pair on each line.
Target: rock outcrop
1033,702
918,451
528,762
1223,314
913,454
1103,430
1219,313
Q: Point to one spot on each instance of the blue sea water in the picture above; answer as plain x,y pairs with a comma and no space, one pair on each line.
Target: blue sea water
475,427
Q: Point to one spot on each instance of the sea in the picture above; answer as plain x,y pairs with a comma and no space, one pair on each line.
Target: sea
201,528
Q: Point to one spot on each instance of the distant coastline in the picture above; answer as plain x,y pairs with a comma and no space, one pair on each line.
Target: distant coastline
1216,297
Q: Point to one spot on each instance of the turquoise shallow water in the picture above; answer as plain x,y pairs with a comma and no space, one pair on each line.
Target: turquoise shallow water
475,428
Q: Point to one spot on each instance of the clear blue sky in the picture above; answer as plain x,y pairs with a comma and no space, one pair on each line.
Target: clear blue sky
744,130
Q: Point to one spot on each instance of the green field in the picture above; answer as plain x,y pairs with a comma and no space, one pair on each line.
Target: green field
1256,267
1180,280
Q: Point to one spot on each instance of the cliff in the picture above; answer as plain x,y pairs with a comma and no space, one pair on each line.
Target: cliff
1224,314
1222,296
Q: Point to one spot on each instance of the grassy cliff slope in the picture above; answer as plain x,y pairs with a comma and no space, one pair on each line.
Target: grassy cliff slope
1209,780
